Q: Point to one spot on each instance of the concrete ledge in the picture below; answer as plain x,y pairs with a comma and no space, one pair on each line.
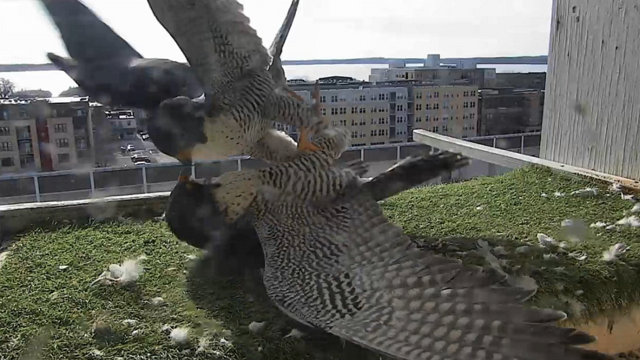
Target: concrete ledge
21,217
511,159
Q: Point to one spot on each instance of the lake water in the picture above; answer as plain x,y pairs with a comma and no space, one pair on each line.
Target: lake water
58,81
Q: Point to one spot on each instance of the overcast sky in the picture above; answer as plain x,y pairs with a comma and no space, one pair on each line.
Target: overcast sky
323,28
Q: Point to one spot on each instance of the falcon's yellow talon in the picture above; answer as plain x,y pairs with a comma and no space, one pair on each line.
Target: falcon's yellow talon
304,143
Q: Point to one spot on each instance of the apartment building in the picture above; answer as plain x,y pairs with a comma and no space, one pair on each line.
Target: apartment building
387,113
450,110
375,115
123,123
510,110
439,76
45,134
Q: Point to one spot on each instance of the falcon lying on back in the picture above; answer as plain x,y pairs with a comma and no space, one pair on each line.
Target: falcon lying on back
341,266
241,96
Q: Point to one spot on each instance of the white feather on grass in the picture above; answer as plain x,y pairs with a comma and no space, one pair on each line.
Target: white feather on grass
257,327
632,221
614,252
157,301
179,336
587,192
126,273
295,333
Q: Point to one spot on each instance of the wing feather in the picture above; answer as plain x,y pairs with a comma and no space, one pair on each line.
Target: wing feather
215,37
349,271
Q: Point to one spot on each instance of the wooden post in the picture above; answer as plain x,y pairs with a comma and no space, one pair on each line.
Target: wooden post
592,110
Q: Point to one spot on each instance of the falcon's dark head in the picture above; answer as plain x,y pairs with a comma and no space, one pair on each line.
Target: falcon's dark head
195,218
178,127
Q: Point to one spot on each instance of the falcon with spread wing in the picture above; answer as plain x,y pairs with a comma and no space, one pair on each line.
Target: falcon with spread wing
241,96
111,71
341,266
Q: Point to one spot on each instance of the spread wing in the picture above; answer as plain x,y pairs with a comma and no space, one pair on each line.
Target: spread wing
86,37
346,269
275,69
215,37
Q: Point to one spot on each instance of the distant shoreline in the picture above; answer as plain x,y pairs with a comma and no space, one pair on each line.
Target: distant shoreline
506,60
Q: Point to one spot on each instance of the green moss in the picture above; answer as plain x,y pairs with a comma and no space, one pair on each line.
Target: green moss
50,312
510,211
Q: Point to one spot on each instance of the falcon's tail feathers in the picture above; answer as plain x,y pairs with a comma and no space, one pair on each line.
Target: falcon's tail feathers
413,171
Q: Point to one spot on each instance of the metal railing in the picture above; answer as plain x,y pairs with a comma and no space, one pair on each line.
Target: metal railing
89,183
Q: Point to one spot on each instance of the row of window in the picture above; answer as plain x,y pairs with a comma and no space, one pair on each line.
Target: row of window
379,97
363,122
60,128
469,104
380,132
5,131
62,143
9,162
355,110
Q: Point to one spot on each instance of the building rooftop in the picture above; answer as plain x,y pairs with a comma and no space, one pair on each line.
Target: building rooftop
52,100
507,211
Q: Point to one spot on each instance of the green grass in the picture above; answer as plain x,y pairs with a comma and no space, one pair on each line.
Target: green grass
50,312
513,213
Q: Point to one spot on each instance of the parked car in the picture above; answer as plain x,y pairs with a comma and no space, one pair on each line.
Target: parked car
131,148
140,158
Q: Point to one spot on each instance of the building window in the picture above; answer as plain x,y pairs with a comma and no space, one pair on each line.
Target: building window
6,146
60,128
63,158
418,119
7,162
419,95
363,98
343,111
436,94
435,129
334,98
324,112
472,104
81,143
62,143
418,107
436,106
5,131
427,118
343,122
362,110
428,107
334,111
354,110
323,99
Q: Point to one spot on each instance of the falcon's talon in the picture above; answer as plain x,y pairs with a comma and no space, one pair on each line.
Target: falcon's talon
304,143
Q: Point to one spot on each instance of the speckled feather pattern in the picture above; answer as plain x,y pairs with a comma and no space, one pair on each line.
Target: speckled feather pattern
343,267
229,59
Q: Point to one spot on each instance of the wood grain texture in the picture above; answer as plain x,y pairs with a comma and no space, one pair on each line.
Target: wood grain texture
592,111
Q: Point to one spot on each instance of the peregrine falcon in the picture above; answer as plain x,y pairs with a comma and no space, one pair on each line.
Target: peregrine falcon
341,266
241,96
195,218
111,71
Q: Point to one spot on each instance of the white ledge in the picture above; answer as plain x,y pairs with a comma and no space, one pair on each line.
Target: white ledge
510,159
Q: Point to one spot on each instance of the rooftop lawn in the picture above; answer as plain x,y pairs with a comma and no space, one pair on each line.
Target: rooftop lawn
45,310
